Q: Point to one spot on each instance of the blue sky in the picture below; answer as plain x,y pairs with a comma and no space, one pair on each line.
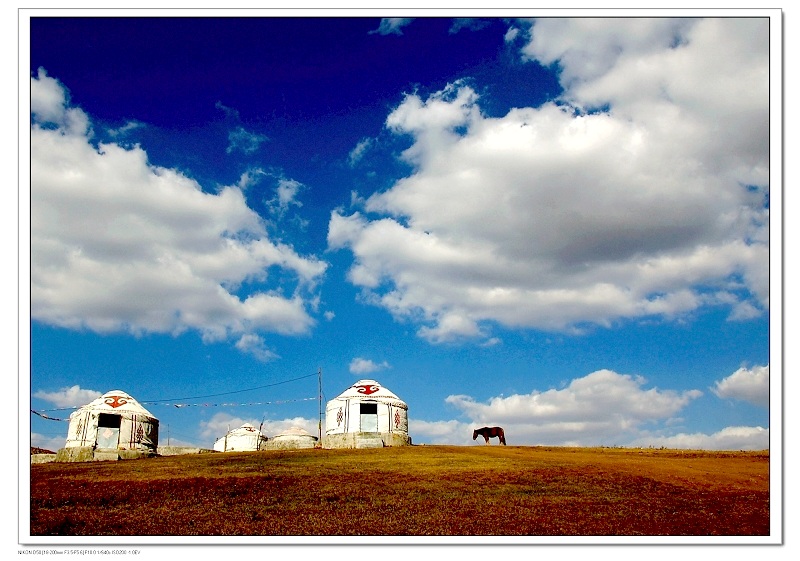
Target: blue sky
560,226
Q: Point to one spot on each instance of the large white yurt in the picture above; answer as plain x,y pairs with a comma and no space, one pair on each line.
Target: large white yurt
293,438
366,415
113,423
246,438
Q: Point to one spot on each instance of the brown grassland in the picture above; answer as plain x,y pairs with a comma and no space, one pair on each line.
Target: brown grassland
409,491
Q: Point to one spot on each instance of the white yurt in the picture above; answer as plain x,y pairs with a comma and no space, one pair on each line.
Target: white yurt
246,438
111,424
293,438
366,415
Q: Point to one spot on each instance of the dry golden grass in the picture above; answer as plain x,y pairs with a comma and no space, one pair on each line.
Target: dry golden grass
409,491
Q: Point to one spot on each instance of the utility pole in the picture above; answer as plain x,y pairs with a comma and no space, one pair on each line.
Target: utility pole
319,399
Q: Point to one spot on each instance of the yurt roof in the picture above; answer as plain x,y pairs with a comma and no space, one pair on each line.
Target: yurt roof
370,389
245,429
294,432
116,402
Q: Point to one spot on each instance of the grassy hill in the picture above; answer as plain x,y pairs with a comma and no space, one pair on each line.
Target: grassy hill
409,491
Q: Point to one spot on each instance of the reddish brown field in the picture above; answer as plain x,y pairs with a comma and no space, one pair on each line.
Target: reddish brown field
409,491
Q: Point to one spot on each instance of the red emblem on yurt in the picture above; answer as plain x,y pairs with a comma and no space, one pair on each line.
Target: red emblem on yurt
339,417
367,389
396,419
115,401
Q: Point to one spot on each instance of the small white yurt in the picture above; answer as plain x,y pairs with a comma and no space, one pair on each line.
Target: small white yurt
294,438
246,438
112,423
366,415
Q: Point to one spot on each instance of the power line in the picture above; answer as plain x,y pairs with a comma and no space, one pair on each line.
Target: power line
159,401
181,405
227,393
42,415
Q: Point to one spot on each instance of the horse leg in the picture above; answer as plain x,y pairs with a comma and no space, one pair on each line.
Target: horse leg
486,438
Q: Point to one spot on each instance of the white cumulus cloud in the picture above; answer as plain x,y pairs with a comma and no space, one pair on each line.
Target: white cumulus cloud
640,193
602,408
120,245
746,384
253,344
73,396
365,366
729,438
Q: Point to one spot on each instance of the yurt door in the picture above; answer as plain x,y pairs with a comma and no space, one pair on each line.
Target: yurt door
108,430
369,417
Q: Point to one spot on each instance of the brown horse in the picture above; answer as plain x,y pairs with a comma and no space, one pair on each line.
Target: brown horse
490,432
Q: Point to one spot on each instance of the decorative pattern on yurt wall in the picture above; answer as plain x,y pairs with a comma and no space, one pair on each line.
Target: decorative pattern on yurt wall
366,408
113,421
